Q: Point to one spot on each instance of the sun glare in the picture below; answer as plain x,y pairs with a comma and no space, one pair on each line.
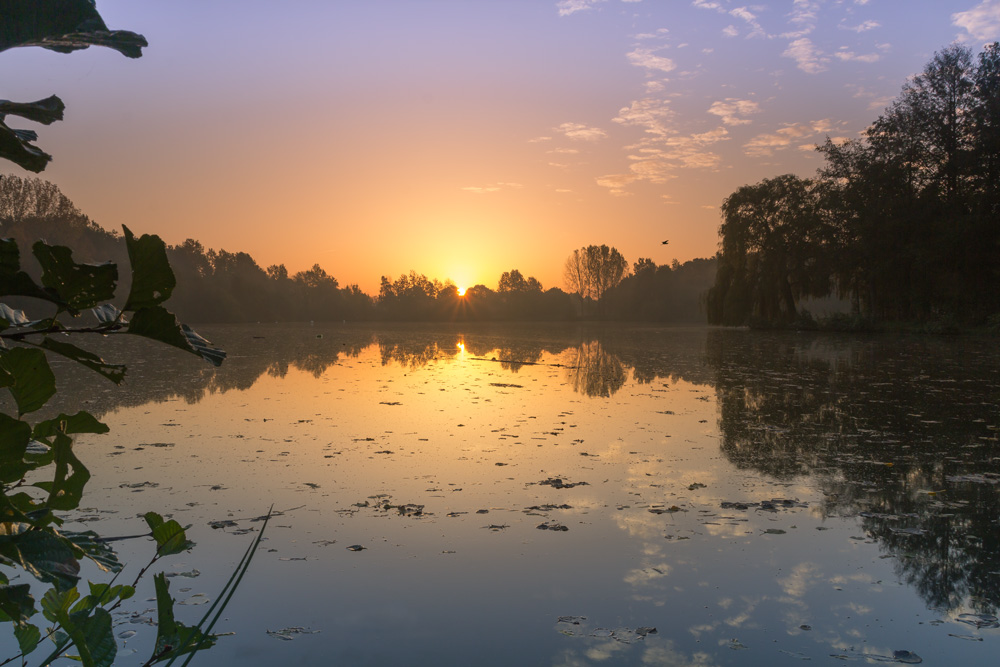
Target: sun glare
461,291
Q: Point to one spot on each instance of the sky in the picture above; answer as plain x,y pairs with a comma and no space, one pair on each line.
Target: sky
462,139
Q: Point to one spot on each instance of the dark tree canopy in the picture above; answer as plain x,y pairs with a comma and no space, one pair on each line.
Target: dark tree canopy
903,222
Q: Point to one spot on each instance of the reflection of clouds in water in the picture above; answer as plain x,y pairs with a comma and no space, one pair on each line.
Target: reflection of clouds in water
705,628
605,650
647,575
726,530
740,619
802,577
665,654
656,653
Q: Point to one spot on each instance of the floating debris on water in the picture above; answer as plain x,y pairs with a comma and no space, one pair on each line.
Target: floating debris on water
552,526
356,547
558,483
287,634
979,620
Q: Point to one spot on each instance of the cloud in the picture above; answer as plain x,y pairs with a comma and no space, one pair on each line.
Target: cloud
616,183
982,22
751,19
581,132
538,140
565,151
646,58
730,31
662,151
848,56
730,109
806,56
766,144
706,4
567,7
495,187
861,27
649,113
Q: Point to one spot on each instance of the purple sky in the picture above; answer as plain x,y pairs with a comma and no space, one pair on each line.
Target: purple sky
463,139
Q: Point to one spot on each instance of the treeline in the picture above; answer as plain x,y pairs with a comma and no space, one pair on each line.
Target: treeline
222,286
904,222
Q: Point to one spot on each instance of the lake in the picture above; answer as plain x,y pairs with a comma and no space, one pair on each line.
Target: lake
560,495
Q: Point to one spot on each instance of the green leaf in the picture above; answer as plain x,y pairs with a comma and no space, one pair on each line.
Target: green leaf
56,604
173,638
160,324
33,383
94,638
14,438
164,607
66,488
169,535
78,285
104,594
93,548
81,422
16,603
45,557
152,278
27,636
114,372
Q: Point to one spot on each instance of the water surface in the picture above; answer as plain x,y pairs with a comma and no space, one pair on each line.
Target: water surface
563,496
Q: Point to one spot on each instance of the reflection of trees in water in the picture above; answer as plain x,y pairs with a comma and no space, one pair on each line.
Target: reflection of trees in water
880,423
595,371
837,409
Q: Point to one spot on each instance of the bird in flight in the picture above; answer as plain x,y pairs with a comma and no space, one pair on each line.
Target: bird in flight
666,242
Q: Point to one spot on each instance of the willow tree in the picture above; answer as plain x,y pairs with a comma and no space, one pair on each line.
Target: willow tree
774,245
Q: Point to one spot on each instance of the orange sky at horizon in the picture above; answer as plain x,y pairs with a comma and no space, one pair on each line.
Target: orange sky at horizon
462,140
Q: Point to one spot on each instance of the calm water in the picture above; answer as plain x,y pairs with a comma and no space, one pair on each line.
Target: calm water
550,496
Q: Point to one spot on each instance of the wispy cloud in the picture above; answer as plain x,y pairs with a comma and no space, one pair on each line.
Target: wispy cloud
581,132
764,145
730,110
982,22
865,26
567,7
848,56
495,187
651,114
806,56
662,151
708,4
643,57
750,18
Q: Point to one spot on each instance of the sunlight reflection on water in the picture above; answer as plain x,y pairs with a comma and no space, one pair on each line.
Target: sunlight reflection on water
503,479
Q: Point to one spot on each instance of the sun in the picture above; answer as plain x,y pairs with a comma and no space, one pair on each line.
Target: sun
461,291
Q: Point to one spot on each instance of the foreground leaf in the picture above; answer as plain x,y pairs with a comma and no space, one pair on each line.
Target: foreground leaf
152,278
78,285
30,379
14,438
160,324
63,26
114,372
169,535
173,638
45,557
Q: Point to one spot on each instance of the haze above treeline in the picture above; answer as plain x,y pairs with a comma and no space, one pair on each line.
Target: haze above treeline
903,224
223,286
